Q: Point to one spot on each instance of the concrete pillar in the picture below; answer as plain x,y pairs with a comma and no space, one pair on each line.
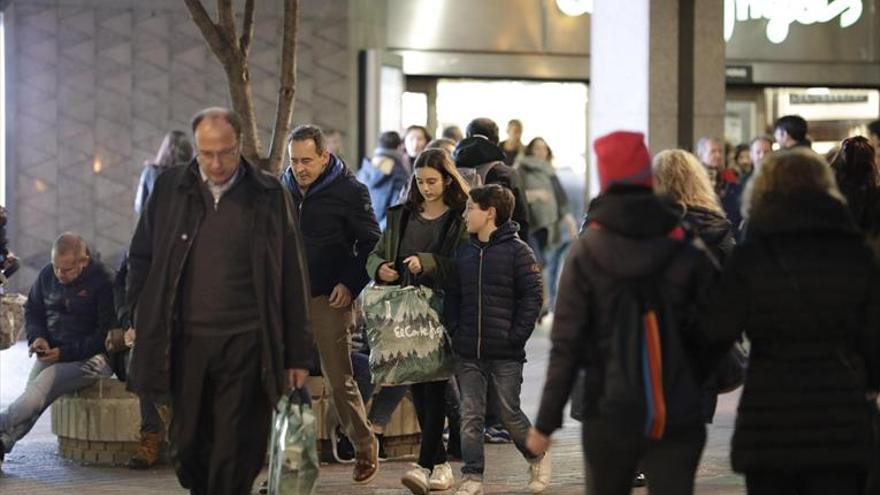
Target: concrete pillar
658,68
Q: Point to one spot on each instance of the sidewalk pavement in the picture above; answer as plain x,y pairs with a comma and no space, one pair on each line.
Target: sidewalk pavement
35,468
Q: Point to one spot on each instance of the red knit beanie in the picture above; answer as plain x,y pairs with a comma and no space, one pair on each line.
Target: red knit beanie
623,158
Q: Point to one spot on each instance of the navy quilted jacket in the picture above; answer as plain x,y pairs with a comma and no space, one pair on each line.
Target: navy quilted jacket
493,309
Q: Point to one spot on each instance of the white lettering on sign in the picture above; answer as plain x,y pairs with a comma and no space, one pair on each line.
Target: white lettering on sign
781,14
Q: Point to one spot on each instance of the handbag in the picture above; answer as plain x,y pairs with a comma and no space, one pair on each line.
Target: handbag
293,455
408,342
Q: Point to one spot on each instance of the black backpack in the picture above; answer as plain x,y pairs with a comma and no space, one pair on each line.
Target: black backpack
647,377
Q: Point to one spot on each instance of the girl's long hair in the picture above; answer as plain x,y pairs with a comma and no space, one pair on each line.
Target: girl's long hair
455,189
175,149
680,175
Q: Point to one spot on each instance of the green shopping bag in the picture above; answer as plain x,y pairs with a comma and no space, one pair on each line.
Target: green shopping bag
408,343
293,458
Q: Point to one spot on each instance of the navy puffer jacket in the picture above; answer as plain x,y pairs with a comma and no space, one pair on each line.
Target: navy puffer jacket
492,311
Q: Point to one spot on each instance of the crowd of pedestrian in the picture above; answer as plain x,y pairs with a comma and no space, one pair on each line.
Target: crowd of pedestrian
692,272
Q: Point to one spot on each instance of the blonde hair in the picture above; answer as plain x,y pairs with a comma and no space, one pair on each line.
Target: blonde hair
788,172
680,175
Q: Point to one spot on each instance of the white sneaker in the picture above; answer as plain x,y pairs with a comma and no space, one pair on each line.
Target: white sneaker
417,480
470,486
539,474
442,478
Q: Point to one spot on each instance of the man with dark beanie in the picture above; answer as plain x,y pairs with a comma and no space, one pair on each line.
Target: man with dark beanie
480,161
217,284
634,266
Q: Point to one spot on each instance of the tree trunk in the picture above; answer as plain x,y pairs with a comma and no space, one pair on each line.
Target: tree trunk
238,80
287,90
233,53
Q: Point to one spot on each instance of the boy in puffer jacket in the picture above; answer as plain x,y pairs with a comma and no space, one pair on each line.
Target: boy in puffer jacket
491,313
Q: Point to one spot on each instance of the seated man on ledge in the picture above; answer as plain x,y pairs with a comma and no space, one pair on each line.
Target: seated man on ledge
67,316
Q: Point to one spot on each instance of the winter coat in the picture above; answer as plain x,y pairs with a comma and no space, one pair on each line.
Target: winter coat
864,205
495,305
633,234
731,189
477,152
385,176
338,227
438,265
546,208
158,255
714,229
806,290
75,317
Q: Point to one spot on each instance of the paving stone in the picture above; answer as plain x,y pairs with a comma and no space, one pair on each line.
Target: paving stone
36,467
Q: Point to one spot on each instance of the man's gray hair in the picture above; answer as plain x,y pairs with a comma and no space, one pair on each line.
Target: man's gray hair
704,142
70,243
213,113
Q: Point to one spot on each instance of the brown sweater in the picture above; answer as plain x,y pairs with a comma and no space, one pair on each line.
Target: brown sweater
218,293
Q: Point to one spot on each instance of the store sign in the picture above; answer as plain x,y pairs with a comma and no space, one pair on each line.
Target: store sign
738,73
781,14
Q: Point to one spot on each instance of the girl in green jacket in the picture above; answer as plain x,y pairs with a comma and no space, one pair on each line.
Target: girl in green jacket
417,246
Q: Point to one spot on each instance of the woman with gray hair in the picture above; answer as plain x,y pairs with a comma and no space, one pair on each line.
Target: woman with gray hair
176,149
805,289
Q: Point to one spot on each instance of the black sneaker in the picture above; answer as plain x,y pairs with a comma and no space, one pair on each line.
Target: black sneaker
639,479
343,450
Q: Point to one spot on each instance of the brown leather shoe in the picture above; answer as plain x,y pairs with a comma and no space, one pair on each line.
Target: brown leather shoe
366,465
147,453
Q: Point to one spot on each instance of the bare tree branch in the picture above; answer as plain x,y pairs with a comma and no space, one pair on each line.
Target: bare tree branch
247,29
227,23
209,30
288,85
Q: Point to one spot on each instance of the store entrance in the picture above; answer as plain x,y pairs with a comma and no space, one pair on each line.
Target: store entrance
833,114
556,111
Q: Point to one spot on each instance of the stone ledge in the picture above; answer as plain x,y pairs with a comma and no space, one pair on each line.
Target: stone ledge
99,424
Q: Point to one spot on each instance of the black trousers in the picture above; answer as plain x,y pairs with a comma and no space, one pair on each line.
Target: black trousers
220,427
429,400
612,457
806,482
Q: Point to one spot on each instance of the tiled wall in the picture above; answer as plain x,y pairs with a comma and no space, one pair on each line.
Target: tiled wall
93,85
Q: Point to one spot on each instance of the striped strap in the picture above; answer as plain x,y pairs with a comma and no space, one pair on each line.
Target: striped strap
652,373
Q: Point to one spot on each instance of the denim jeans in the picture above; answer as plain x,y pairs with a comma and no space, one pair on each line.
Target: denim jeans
46,383
386,401
474,378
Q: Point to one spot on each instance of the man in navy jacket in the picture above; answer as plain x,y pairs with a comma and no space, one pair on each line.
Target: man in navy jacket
67,316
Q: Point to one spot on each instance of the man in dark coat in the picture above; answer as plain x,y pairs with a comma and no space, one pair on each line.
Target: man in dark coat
217,285
68,313
480,161
340,231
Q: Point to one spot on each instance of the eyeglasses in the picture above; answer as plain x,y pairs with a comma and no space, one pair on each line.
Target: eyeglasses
224,155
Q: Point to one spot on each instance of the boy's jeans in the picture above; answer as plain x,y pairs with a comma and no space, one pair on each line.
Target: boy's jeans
46,383
473,379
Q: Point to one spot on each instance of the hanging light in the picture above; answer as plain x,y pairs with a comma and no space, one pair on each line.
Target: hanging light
575,8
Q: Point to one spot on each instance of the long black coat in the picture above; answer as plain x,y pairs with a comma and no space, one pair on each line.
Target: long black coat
493,309
639,233
158,254
813,320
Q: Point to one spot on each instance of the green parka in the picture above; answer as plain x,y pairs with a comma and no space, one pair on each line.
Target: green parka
437,265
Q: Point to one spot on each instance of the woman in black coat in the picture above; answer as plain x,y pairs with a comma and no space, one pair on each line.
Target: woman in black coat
859,181
806,290
680,175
